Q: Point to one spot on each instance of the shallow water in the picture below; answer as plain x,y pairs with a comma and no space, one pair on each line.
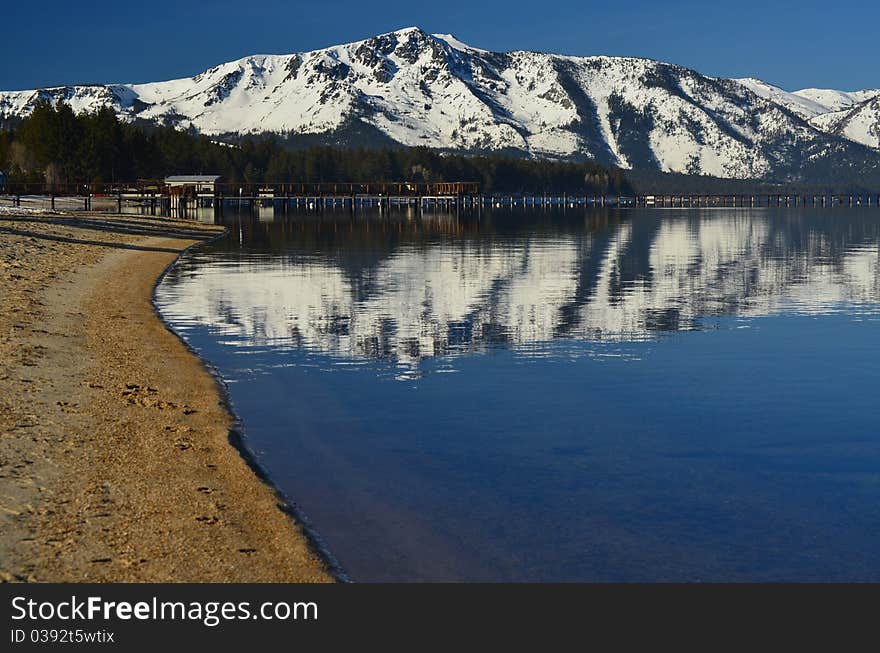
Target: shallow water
529,395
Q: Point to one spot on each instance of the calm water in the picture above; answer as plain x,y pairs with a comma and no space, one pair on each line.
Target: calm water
619,395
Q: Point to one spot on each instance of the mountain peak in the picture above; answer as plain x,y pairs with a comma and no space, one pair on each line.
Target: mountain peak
403,33
452,41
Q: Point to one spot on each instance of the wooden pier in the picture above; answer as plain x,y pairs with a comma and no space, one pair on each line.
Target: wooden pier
156,197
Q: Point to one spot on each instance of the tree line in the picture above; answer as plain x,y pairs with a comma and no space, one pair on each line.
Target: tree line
653,182
54,145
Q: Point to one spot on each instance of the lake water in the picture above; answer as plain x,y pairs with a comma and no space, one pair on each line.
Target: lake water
617,395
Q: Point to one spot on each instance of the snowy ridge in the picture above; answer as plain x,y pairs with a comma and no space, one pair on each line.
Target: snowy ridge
806,107
810,102
836,100
859,123
415,88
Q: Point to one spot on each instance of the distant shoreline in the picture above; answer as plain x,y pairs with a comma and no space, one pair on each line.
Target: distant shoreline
118,463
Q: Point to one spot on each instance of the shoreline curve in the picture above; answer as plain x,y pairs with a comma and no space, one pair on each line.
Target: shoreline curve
119,456
238,432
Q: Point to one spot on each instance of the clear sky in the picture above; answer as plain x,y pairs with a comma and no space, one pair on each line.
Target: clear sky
791,44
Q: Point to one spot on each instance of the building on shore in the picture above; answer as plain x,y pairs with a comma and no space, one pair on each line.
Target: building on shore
192,184
191,192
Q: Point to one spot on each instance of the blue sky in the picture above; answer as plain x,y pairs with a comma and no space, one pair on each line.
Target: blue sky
792,44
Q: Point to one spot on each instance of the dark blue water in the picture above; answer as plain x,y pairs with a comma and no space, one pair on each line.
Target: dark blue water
617,396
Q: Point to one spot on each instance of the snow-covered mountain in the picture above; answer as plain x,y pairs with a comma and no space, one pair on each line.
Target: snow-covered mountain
860,122
415,88
810,102
854,115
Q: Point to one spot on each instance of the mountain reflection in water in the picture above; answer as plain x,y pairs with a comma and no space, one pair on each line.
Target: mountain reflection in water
404,290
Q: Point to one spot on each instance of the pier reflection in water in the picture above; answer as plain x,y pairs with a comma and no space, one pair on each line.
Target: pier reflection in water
600,395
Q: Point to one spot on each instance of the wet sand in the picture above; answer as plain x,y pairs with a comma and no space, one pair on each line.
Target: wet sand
115,455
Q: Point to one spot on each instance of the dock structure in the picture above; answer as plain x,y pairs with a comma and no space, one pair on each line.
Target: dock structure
179,195
182,195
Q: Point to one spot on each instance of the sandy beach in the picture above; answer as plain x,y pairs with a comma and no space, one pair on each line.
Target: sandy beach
115,454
